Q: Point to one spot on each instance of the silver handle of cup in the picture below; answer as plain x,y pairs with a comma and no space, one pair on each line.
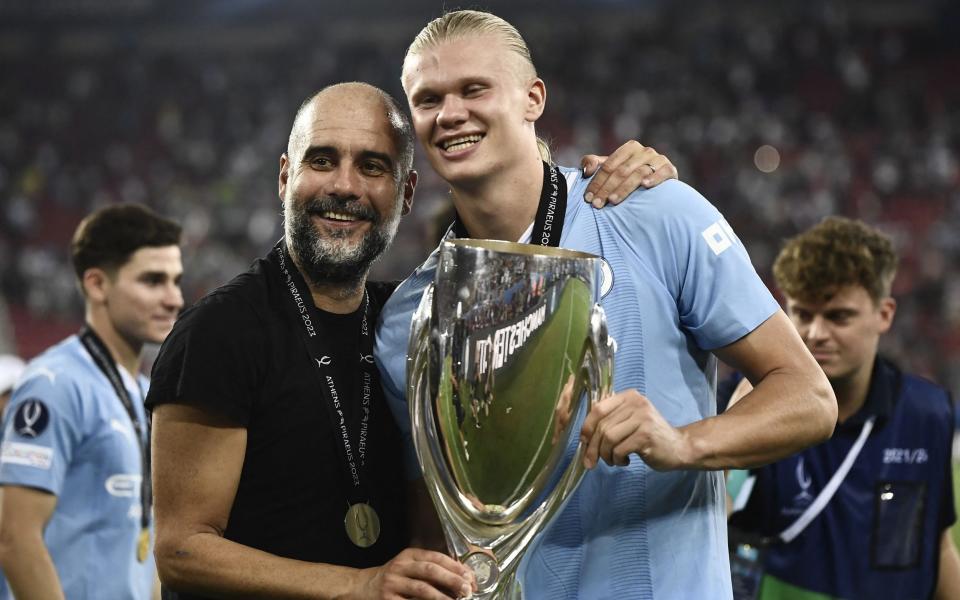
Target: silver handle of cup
596,379
429,453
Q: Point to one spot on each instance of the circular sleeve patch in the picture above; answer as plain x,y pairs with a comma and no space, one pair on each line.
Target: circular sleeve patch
31,418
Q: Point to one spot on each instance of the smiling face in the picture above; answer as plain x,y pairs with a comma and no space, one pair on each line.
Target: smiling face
474,103
341,184
142,297
843,332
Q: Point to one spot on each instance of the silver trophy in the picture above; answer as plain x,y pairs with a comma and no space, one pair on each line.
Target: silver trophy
508,350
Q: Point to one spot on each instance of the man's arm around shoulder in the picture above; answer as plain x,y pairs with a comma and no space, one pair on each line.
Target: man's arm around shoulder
198,457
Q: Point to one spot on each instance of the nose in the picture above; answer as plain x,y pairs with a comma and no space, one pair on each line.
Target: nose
453,111
816,330
173,298
344,183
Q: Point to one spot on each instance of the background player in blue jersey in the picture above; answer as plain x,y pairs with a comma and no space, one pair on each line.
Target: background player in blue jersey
680,288
885,531
75,519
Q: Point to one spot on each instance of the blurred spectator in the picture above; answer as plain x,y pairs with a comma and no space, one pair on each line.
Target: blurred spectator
10,369
779,116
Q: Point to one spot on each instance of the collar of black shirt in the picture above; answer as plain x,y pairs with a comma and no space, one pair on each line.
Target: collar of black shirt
881,396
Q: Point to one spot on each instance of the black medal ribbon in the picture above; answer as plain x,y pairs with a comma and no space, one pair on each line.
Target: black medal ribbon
321,350
104,361
551,212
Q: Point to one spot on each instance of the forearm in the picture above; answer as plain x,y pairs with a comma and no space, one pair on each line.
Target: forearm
208,564
786,412
29,570
948,581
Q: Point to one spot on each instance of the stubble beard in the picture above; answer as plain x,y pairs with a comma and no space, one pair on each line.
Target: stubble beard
328,258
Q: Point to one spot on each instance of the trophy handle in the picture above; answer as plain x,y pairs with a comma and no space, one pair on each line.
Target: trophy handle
421,413
596,377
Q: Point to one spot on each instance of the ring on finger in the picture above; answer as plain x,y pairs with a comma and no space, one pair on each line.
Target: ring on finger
652,168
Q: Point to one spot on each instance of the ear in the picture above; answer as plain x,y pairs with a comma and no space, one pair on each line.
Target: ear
408,189
284,174
95,285
886,309
536,100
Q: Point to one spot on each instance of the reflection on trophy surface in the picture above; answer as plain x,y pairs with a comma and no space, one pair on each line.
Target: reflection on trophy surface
508,351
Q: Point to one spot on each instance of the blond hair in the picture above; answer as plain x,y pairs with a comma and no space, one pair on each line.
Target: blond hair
466,23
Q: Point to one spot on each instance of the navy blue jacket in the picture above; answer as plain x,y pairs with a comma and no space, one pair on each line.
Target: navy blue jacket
879,536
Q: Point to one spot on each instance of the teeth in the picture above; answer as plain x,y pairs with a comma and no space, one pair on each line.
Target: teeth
461,142
338,216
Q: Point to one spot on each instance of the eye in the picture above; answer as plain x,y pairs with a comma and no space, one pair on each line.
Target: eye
473,90
427,101
373,168
153,279
320,162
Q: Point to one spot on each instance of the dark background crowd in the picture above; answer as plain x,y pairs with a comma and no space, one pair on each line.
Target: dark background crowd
779,112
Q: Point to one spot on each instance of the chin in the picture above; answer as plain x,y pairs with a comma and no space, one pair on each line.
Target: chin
468,168
157,337
462,174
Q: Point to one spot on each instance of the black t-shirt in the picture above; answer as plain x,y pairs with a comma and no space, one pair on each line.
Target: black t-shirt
236,353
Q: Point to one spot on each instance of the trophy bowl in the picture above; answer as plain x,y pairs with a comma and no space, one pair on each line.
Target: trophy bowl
508,351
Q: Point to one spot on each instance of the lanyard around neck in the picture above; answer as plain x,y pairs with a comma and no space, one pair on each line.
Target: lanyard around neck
551,211
100,354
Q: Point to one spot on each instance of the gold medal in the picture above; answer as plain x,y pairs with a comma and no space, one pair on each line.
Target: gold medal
143,544
362,525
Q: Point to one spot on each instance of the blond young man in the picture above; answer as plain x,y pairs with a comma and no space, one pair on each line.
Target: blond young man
682,291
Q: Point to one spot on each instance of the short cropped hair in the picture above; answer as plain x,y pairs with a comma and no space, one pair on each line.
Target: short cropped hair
835,253
108,237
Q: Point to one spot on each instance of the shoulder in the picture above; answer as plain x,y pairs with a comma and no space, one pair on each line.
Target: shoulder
926,396
65,366
406,296
672,200
673,206
59,379
380,291
393,326
232,307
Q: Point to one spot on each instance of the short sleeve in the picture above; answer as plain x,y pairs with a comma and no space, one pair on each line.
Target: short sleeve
720,297
41,432
213,358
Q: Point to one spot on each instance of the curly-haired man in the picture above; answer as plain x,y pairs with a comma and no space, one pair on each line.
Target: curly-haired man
883,532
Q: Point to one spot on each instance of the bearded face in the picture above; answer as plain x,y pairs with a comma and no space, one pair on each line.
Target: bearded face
336,241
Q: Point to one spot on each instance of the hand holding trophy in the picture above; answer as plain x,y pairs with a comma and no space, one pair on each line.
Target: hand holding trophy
508,351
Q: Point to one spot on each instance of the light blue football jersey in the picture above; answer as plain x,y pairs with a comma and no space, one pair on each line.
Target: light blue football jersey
66,432
680,284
